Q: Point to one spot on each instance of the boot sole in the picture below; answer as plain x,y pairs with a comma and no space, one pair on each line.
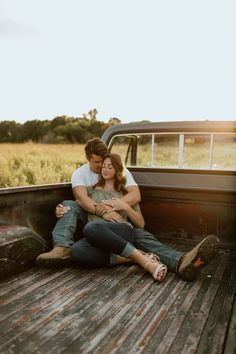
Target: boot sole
54,262
207,250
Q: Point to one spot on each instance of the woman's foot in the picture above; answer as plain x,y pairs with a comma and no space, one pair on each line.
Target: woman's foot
122,260
157,269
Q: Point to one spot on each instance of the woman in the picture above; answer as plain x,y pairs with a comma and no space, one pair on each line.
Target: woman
109,243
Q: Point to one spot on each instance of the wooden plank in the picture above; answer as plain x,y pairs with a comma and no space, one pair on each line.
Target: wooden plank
139,307
37,309
218,320
13,283
194,323
117,310
19,287
230,346
54,308
230,342
33,303
101,302
160,338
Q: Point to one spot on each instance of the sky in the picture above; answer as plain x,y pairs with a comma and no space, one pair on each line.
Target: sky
131,59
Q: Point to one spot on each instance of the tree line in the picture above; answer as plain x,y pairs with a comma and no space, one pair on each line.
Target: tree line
61,129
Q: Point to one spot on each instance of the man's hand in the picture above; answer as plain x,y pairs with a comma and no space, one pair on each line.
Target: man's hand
61,210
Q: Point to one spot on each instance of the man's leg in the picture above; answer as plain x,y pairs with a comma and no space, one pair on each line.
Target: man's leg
63,236
64,230
184,264
198,257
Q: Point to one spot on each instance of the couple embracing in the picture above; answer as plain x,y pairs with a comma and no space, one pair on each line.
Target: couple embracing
106,204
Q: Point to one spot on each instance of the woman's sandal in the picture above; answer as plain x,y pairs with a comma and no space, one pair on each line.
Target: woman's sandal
160,268
152,256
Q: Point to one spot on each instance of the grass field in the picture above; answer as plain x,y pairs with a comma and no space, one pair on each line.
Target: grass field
29,164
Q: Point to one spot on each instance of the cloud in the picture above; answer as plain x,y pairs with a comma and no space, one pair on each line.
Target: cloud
12,28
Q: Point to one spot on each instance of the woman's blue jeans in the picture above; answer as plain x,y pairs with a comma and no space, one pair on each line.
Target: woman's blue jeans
103,241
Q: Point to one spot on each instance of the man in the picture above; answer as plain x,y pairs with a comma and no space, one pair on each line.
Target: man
70,212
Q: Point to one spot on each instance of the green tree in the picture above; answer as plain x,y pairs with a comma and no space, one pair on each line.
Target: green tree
61,129
10,132
114,121
34,130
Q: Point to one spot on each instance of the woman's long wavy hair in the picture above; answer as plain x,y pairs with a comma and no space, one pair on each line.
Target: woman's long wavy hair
119,184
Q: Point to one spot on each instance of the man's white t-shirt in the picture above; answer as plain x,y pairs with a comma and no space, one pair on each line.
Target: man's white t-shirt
83,176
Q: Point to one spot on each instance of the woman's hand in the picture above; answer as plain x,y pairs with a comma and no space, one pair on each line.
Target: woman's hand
113,216
135,216
102,208
61,210
116,204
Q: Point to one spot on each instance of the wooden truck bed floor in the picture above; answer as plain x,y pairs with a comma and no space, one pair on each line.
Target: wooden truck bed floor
119,310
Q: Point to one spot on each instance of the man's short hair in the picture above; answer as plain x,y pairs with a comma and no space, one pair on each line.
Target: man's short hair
95,146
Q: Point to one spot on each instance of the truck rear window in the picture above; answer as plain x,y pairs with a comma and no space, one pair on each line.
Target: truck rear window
208,151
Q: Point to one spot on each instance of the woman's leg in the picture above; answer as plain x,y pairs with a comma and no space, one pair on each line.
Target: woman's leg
150,263
84,254
113,237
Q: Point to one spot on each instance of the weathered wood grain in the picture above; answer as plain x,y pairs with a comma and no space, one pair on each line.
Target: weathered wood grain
119,310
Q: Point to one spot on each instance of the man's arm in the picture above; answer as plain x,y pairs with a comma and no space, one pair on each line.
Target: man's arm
82,198
133,195
88,204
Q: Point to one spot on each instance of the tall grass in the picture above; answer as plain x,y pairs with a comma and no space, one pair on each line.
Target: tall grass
30,163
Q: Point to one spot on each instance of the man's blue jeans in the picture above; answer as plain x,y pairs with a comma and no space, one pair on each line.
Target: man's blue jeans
147,242
63,235
64,230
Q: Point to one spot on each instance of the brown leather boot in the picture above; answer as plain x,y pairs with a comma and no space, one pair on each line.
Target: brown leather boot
58,256
198,257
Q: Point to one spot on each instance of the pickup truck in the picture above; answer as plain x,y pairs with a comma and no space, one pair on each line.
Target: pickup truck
186,172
